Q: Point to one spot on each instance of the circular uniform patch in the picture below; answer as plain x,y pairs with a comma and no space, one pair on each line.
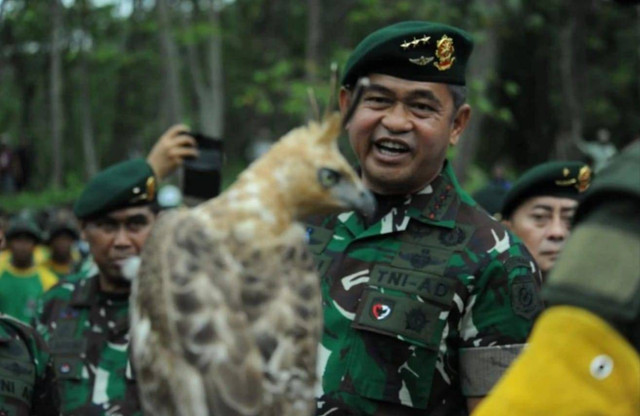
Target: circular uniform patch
525,299
65,368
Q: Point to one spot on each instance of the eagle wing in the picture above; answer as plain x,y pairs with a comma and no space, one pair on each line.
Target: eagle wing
192,340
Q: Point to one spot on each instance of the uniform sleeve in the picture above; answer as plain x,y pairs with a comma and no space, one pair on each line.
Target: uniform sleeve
498,318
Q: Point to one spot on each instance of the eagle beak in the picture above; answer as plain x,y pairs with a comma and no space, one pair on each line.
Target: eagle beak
355,197
365,203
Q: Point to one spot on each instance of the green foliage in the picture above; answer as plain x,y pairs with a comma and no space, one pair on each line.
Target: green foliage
44,199
266,82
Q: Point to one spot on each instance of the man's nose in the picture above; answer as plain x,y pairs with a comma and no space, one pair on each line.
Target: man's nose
396,120
122,238
558,230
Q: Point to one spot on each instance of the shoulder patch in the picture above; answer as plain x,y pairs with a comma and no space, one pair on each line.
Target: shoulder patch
525,297
514,262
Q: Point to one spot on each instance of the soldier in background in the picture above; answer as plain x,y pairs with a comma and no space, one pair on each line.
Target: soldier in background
64,258
26,372
22,281
85,320
584,353
540,206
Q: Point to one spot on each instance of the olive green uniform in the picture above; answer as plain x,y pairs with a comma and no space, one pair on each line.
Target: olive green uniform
87,332
27,385
411,300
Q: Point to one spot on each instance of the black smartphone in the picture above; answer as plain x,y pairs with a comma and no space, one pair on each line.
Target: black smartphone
202,175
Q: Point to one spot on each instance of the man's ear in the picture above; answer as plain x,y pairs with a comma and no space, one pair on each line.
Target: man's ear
344,99
459,123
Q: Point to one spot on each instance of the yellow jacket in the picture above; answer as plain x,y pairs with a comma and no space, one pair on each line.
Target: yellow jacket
575,364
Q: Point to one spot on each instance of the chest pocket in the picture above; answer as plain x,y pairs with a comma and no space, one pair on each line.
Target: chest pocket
400,324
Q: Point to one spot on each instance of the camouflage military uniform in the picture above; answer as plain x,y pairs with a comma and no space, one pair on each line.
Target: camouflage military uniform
87,333
404,296
26,378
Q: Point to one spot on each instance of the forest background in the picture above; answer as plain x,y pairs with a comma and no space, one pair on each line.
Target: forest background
87,83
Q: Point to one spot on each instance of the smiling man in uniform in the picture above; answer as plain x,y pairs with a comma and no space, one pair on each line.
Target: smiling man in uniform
429,300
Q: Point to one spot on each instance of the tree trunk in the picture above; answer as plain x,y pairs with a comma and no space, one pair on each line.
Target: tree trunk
212,118
170,63
88,140
210,90
571,61
313,41
57,116
482,66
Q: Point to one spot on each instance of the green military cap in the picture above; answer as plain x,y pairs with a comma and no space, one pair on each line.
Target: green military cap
563,179
23,225
414,50
58,227
123,185
620,177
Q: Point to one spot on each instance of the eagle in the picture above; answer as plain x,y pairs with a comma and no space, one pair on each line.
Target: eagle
226,310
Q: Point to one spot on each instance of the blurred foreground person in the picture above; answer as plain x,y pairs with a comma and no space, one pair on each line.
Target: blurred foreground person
540,206
583,355
21,280
26,373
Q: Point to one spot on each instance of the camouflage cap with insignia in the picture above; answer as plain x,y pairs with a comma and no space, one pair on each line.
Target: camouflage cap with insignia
413,50
126,184
23,225
562,179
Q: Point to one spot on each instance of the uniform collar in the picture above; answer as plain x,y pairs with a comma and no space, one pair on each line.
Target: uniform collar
86,292
436,204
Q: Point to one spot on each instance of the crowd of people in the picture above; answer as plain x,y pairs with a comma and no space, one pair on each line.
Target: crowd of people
426,304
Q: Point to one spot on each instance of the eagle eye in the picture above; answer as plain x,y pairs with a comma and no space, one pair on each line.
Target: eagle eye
328,177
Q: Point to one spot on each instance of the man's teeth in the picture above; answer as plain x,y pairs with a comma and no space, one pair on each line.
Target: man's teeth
391,147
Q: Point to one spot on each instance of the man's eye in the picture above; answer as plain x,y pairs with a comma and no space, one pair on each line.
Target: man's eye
328,177
376,99
107,226
422,107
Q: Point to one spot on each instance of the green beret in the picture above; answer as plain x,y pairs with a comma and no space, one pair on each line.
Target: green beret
418,51
621,177
562,179
22,225
126,184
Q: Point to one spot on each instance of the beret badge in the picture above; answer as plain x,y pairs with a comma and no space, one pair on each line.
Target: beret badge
581,182
444,53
